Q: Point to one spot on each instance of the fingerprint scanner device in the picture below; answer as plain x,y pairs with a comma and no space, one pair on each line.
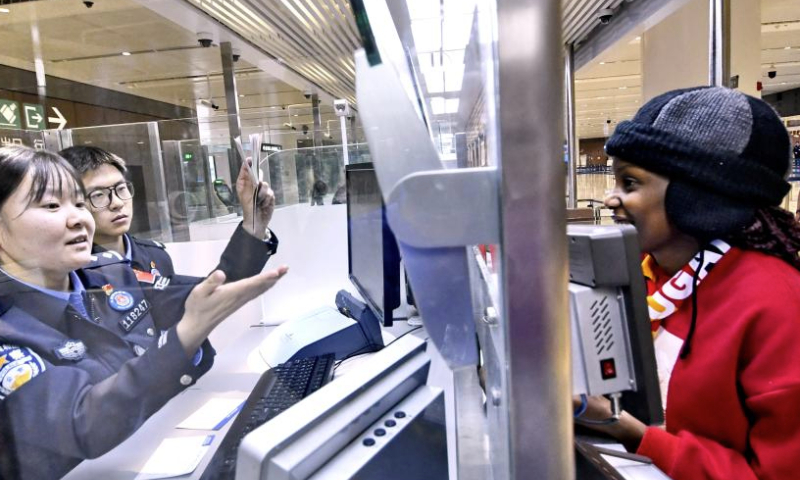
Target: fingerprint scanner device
374,270
324,330
612,347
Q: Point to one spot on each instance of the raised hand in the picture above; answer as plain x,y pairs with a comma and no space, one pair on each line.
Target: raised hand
254,222
212,301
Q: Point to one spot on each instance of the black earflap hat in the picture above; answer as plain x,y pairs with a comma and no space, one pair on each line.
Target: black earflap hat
726,155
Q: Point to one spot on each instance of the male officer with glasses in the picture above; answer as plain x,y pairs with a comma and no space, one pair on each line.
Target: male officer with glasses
109,196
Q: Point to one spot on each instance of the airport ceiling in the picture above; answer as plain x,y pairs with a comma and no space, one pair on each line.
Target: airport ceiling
150,48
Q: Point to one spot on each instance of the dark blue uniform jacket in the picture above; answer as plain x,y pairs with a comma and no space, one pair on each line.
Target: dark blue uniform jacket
73,387
149,255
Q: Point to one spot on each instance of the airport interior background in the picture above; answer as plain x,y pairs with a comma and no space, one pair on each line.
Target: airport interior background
145,79
168,84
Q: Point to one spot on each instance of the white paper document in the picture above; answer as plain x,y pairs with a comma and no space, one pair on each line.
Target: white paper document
213,415
176,456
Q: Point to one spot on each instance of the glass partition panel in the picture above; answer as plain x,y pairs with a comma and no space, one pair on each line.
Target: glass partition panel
154,212
184,172
310,175
27,138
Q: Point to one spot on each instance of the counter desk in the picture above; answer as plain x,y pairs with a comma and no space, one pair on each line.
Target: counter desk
236,370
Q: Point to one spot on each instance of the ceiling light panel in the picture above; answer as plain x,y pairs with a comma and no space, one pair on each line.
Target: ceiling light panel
316,38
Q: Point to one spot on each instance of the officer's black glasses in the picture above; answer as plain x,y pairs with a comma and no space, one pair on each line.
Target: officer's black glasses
101,197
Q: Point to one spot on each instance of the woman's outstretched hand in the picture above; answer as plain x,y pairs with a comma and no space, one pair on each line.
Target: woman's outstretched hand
212,301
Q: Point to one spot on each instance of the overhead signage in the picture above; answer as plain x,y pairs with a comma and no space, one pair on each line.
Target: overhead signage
58,120
34,116
270,147
9,114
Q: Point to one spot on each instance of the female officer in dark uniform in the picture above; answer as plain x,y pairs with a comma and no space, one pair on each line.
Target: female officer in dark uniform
86,356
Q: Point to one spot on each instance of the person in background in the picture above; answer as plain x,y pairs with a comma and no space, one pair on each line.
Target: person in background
340,197
318,191
87,355
700,173
110,198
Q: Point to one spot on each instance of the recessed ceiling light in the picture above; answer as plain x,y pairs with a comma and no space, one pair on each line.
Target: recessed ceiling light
787,48
5,10
241,95
602,63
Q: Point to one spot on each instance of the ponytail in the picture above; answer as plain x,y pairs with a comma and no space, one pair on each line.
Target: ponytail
774,231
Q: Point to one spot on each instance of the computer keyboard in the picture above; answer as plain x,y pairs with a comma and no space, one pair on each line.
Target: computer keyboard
278,389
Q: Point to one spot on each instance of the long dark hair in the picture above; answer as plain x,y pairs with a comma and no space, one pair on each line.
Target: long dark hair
773,231
48,170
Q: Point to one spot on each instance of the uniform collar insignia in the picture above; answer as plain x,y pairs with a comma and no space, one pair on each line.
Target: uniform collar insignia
73,350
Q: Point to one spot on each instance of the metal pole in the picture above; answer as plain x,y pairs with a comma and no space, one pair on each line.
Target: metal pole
571,136
232,102
719,43
345,152
317,119
533,265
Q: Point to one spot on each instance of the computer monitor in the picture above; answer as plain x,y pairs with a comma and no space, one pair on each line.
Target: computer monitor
372,252
612,347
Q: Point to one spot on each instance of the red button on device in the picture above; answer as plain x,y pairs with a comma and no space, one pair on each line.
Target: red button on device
608,369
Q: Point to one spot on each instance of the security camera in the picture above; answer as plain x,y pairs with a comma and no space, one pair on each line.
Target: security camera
341,107
772,74
88,3
236,54
604,15
307,94
214,106
305,129
205,39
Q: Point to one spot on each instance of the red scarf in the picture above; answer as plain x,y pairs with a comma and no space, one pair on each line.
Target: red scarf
666,300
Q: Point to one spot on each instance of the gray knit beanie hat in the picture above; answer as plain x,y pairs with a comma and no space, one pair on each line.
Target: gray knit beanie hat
726,155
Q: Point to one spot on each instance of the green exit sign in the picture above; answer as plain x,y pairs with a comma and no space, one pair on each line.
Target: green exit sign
188,156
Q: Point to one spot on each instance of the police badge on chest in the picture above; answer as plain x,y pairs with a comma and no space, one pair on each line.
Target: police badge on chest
134,316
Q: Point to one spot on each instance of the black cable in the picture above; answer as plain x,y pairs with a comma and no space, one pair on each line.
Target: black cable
255,208
687,348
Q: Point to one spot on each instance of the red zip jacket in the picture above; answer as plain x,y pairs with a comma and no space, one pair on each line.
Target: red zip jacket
733,405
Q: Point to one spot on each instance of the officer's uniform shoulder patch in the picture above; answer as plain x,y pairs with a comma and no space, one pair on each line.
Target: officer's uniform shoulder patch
148,243
18,365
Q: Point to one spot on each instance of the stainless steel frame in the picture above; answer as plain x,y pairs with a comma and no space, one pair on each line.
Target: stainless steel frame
573,151
719,43
533,267
162,200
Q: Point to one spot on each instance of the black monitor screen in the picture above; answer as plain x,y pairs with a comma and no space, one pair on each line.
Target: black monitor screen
373,256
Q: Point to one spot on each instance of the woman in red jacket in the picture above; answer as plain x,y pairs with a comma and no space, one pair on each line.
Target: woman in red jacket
700,173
